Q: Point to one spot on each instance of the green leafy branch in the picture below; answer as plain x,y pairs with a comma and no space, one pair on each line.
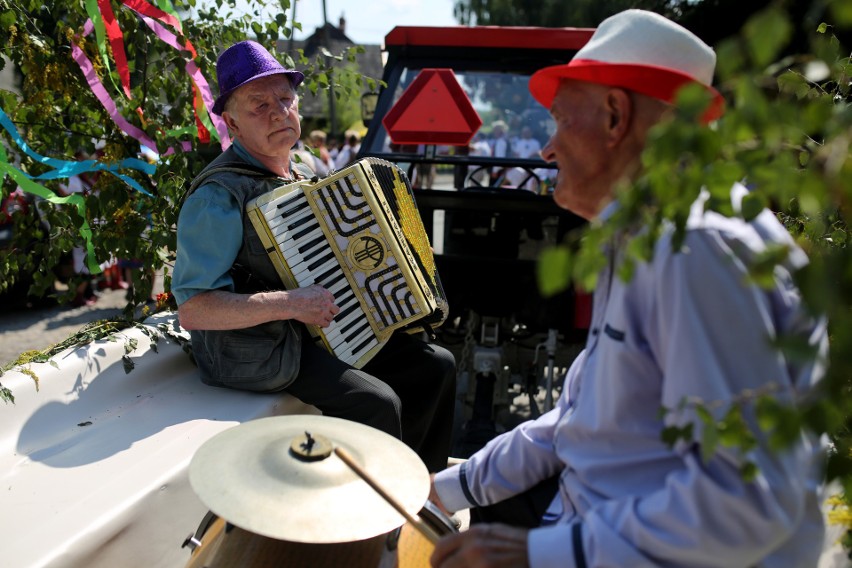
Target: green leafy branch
731,430
113,330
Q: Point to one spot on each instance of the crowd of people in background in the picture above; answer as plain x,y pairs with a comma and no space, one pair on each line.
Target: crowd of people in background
324,155
502,141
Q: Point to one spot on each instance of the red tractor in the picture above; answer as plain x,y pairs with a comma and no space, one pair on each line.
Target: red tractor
483,193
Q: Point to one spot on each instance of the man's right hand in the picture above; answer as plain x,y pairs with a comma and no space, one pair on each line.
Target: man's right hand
483,546
312,305
220,309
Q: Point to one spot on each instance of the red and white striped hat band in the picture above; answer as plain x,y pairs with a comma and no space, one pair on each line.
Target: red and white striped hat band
640,51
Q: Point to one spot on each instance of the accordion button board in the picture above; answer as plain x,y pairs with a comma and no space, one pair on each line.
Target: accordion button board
342,233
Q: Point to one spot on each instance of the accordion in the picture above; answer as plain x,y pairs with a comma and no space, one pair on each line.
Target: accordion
357,233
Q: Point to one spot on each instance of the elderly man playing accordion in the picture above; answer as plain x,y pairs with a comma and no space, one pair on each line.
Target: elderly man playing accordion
247,331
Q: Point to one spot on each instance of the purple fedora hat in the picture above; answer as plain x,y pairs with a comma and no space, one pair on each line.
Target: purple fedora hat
244,62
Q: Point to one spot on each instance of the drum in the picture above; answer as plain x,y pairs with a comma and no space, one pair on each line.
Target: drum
303,490
222,545
413,549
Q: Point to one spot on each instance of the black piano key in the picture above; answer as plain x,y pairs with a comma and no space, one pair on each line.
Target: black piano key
329,279
311,244
358,331
322,260
327,274
300,222
307,229
344,312
356,353
349,326
295,209
344,297
336,278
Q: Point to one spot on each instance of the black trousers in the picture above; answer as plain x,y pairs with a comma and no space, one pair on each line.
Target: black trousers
523,510
407,390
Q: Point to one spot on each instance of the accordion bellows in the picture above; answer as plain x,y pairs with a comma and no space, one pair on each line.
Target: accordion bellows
357,233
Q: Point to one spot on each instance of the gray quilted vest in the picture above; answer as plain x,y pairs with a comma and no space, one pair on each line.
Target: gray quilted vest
263,358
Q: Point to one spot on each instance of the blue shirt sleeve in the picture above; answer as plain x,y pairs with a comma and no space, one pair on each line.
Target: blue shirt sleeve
209,236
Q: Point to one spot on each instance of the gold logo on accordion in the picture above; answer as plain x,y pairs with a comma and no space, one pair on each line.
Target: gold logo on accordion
366,252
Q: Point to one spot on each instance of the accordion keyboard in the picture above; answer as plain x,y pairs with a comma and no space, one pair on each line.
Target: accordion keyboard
300,239
358,234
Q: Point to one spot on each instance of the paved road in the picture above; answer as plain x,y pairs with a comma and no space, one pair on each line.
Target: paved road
37,328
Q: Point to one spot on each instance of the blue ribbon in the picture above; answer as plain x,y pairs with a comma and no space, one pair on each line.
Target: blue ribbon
65,168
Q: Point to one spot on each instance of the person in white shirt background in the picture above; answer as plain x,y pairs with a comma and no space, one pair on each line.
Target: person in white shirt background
500,147
350,148
323,162
591,483
85,293
526,146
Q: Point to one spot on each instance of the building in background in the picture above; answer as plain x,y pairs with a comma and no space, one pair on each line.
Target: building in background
323,111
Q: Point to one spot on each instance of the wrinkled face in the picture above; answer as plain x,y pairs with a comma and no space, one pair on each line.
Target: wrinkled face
264,116
578,146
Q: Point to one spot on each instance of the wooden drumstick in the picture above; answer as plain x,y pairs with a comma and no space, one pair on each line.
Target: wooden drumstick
416,522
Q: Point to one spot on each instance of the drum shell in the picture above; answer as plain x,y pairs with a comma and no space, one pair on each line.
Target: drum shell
413,549
223,545
227,546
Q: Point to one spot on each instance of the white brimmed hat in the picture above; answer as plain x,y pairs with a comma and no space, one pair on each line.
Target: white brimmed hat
640,51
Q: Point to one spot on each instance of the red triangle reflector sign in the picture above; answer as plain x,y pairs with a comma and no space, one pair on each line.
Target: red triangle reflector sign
434,109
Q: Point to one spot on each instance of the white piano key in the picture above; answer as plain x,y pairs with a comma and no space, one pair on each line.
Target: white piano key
360,328
357,353
272,207
356,341
339,287
342,346
294,257
305,272
306,216
334,333
340,328
287,235
277,215
349,312
321,277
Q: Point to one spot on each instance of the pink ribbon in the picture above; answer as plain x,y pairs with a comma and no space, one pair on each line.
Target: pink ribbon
101,93
197,78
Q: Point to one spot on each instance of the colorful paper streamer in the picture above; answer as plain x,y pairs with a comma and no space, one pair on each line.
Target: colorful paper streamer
28,185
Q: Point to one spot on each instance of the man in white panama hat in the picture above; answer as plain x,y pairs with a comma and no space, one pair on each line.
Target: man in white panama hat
592,483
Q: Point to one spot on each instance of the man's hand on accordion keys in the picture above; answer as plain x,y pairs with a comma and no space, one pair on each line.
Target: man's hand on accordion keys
313,305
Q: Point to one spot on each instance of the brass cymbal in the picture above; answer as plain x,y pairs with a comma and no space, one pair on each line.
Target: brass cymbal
269,477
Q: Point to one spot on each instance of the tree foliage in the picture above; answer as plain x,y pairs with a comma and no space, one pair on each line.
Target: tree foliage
131,210
711,20
547,13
